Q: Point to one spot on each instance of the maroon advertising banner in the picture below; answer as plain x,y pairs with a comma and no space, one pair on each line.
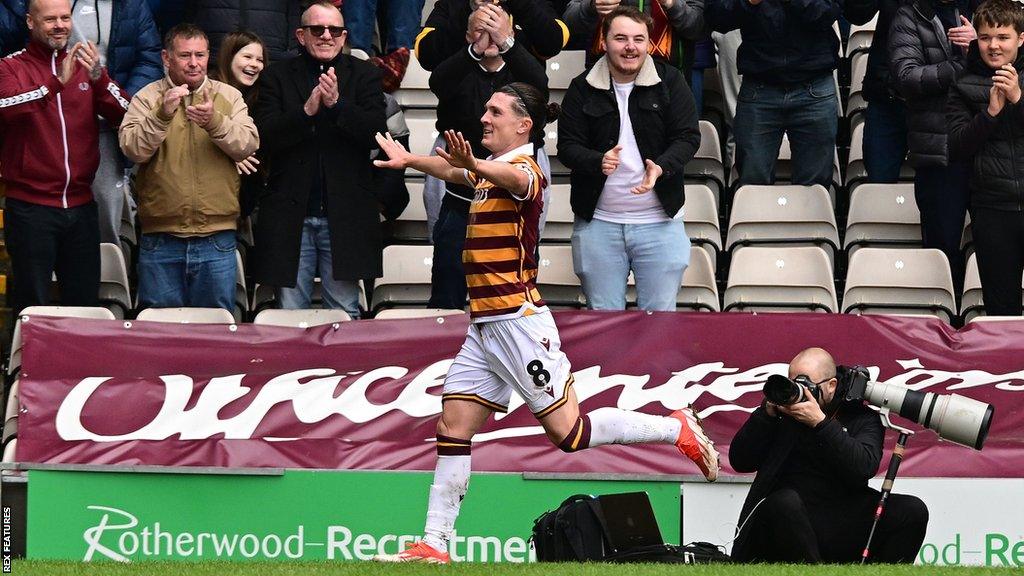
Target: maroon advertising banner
366,395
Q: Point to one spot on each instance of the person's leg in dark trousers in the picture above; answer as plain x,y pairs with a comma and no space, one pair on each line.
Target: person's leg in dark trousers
900,531
999,245
811,122
843,524
32,234
78,257
885,140
448,277
778,530
758,130
942,196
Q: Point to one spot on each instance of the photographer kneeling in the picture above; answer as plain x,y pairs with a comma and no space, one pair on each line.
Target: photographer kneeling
810,500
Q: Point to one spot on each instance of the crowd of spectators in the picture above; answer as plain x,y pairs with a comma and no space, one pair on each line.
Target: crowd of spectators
269,108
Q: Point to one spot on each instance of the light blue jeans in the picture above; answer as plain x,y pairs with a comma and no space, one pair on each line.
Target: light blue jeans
314,254
603,253
198,271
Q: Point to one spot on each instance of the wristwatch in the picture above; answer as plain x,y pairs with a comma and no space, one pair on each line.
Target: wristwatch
506,45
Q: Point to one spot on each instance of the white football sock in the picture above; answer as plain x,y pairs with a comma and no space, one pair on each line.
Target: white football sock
615,426
451,479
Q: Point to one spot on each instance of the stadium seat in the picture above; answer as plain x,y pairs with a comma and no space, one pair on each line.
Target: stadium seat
241,292
263,297
405,313
856,172
860,38
902,281
411,224
187,315
558,227
784,167
422,132
13,408
114,294
93,312
972,304
780,279
10,450
301,318
882,215
856,103
415,90
565,66
406,279
551,139
782,214
967,237
557,281
707,164
700,215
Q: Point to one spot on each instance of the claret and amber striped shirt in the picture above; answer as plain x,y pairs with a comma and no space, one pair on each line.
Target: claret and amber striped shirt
501,244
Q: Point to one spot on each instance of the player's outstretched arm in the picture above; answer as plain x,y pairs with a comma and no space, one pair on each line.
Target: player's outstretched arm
399,159
501,174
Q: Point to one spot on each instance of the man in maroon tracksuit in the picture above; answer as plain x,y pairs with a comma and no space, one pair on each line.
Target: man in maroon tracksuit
49,98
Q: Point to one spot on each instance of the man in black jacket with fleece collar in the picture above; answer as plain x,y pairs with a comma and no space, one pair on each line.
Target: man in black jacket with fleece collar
810,501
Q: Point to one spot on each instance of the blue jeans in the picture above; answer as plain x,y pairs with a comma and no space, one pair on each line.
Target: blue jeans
885,140
402,23
697,87
195,272
314,254
807,112
603,253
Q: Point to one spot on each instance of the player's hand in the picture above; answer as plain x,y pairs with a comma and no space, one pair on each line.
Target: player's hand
651,175
247,166
603,7
312,105
610,160
329,88
172,99
398,156
963,34
996,100
459,153
67,67
807,411
1006,80
89,57
202,113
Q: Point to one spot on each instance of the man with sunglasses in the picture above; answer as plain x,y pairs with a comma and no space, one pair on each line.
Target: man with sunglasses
317,114
810,501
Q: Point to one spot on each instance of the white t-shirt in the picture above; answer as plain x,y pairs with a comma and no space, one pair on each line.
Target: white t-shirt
617,204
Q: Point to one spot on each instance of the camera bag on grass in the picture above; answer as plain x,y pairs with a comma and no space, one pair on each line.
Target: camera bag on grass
576,531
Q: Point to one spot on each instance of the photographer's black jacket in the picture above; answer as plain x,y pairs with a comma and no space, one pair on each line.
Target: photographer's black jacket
851,442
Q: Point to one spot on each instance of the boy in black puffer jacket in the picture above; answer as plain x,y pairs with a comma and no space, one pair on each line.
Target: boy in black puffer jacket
986,127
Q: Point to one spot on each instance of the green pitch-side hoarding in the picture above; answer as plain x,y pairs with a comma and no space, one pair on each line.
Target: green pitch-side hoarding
300,515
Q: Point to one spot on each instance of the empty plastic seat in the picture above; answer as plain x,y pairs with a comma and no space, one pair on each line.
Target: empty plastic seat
860,37
881,215
784,166
699,290
782,214
551,139
558,227
114,293
10,431
415,89
906,281
972,304
187,315
856,102
301,318
700,215
422,132
94,312
556,280
780,279
405,313
411,224
707,161
406,279
565,66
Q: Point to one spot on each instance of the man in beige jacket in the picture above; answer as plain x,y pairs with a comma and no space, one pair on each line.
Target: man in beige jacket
186,132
